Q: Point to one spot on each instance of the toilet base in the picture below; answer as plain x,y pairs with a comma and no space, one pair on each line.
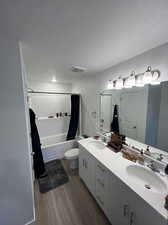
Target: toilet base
73,164
72,156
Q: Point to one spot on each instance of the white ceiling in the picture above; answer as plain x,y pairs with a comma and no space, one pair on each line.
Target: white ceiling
95,34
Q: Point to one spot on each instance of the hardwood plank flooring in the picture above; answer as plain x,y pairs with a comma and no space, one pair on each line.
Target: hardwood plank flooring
69,204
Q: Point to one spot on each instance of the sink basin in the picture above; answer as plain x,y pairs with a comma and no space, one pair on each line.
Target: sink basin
97,144
146,178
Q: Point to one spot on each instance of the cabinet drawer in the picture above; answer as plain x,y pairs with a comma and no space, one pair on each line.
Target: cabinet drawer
100,168
100,183
101,186
101,173
100,196
87,169
100,191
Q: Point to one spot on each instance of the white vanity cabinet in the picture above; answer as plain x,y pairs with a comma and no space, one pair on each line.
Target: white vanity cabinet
142,213
127,208
120,203
87,169
96,178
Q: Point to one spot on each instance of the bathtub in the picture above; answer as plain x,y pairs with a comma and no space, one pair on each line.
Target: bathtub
54,147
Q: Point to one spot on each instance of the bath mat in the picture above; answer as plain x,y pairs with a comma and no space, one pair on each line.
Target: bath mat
55,177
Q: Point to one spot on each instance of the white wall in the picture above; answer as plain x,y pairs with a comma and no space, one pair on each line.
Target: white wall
45,105
16,194
90,87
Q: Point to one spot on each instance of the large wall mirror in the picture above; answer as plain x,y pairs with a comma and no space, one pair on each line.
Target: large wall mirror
142,113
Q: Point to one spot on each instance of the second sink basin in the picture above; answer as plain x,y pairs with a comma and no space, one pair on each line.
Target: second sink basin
146,178
97,144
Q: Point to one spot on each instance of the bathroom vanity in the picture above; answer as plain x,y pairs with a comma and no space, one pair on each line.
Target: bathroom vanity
128,193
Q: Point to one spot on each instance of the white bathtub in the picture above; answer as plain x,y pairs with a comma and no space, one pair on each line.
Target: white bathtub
54,147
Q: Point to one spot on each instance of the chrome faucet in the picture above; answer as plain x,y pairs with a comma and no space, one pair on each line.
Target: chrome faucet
104,137
152,166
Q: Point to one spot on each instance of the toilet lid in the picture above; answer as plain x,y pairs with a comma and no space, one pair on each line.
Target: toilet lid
72,153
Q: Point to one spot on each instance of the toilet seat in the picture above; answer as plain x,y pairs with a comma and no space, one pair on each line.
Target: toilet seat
72,154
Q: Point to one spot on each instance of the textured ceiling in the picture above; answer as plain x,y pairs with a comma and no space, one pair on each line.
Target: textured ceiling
95,34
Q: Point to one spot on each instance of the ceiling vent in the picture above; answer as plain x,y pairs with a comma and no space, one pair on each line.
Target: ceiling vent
78,69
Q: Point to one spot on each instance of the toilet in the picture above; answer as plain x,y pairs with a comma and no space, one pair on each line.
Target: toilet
72,156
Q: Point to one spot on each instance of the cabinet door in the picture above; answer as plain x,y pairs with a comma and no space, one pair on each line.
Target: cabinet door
142,213
82,172
119,213
128,208
87,169
90,172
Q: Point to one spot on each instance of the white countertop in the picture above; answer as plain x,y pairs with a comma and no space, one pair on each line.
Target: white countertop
117,165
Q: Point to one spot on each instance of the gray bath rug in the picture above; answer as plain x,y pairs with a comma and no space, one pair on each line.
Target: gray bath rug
56,176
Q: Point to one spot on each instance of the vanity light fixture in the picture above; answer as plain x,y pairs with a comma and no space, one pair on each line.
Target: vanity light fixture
137,80
130,81
147,77
119,84
110,84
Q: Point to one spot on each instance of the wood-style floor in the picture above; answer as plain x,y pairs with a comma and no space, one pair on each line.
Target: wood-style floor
69,204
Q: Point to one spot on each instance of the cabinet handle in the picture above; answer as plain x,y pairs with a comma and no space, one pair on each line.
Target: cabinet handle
102,184
32,153
125,210
83,163
131,218
86,164
103,170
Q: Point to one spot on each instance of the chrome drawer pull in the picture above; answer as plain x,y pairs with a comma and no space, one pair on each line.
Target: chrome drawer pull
98,180
103,170
125,210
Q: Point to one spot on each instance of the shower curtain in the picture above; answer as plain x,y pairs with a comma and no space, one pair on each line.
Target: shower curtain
73,126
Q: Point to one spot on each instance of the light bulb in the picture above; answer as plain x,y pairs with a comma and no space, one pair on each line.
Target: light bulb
155,77
147,78
119,83
139,81
110,85
130,81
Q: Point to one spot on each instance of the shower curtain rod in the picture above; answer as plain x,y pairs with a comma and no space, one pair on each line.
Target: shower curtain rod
54,93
